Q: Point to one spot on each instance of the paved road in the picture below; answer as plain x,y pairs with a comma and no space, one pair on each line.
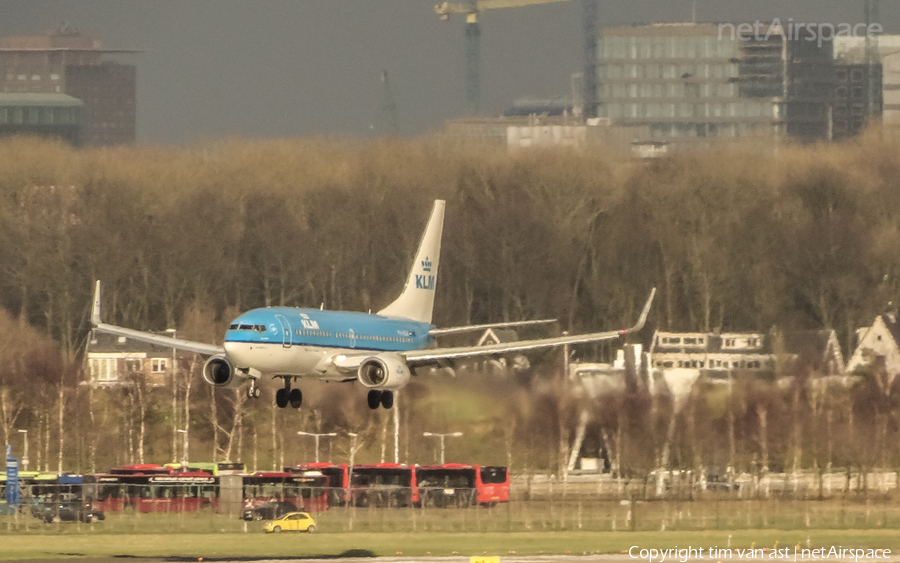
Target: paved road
819,556
586,558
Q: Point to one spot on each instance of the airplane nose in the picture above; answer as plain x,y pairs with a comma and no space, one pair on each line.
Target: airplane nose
237,350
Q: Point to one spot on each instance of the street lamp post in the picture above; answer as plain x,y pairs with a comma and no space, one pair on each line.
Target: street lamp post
184,446
442,436
171,332
353,436
317,436
25,450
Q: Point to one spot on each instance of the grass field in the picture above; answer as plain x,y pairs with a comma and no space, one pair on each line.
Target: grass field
525,527
570,515
210,545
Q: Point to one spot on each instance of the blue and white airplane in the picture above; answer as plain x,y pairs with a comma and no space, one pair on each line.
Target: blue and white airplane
380,350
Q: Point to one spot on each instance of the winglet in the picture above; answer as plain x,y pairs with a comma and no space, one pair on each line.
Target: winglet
95,308
643,318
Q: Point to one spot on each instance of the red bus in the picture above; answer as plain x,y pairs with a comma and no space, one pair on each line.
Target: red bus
214,468
492,484
146,469
383,484
338,479
456,484
157,488
152,489
282,492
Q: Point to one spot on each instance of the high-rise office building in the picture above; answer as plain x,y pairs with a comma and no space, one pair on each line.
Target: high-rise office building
693,81
867,84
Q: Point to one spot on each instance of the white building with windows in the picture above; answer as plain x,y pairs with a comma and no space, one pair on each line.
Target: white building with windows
116,360
718,354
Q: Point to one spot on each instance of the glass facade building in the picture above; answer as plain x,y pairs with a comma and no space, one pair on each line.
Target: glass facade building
700,80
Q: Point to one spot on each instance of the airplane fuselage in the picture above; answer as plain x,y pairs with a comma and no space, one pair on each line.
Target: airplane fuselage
305,342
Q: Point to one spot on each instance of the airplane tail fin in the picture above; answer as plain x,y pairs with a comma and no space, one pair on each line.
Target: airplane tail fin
417,300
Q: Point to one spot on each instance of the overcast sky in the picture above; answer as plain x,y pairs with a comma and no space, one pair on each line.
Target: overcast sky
289,68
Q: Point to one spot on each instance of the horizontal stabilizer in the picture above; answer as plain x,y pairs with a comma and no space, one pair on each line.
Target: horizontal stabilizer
471,328
437,355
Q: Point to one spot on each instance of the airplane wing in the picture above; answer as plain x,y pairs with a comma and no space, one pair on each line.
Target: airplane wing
149,337
471,328
435,356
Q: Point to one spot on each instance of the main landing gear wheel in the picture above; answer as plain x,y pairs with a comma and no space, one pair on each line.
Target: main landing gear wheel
287,395
378,398
281,398
253,392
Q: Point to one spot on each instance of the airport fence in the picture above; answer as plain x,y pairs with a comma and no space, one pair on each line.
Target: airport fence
537,503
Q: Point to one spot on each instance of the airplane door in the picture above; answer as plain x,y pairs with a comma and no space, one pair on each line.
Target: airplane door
286,339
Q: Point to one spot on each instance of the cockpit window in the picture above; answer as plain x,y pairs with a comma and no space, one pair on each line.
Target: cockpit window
255,328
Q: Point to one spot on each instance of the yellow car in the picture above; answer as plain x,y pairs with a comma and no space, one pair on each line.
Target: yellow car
299,521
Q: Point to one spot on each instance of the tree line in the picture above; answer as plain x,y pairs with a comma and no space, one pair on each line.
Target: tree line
188,237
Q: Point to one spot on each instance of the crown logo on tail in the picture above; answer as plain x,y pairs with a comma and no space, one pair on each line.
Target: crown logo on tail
426,264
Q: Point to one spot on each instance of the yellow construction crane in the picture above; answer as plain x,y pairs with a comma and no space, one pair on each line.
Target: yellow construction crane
473,38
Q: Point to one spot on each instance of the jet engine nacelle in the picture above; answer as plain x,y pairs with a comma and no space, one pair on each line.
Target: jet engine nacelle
220,372
384,371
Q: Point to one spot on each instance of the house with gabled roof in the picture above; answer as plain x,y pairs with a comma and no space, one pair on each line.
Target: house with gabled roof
498,336
816,349
115,360
881,340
